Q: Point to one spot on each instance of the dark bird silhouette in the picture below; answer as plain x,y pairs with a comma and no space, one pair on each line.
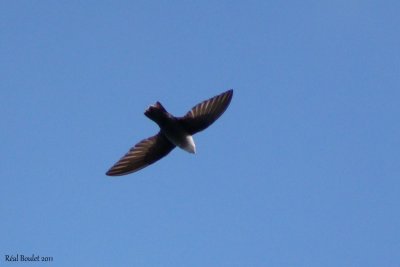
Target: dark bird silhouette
174,131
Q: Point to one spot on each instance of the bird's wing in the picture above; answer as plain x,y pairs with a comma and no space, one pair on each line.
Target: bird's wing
204,114
142,155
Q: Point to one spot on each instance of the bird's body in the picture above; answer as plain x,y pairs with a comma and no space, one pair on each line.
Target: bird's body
171,127
174,131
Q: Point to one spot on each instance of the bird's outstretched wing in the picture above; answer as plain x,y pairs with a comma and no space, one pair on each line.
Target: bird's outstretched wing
143,154
204,114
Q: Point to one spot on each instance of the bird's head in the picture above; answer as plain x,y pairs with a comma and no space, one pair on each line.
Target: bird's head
156,112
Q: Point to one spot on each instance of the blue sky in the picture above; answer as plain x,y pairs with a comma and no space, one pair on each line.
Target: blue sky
302,170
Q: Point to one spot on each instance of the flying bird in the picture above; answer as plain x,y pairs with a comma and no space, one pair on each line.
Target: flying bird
174,132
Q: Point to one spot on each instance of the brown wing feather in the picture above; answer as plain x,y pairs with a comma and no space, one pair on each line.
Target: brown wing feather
204,114
143,154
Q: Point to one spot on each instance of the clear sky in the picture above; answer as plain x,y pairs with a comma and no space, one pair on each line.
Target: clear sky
302,170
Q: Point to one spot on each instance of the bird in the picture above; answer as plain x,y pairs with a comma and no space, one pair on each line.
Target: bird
174,132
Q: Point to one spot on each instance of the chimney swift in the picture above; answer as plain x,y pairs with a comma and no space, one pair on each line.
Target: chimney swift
174,131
